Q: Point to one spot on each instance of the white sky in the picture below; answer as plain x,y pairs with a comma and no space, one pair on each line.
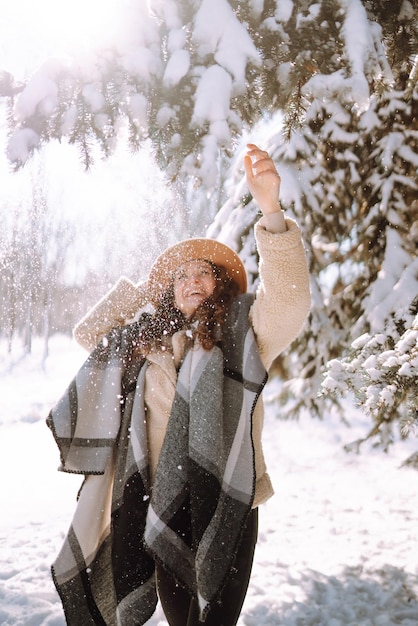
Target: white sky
31,31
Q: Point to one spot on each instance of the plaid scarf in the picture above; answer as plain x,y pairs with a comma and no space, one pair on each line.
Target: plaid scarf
191,520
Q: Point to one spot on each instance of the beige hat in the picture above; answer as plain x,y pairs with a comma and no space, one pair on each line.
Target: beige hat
189,250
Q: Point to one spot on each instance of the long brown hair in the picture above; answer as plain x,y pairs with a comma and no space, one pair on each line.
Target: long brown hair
154,329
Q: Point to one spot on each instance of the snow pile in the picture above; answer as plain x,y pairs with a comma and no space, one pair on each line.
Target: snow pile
337,543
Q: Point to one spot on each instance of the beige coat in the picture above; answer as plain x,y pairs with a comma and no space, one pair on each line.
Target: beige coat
280,308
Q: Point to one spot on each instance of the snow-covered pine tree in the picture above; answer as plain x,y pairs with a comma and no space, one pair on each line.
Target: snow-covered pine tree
381,371
192,75
350,177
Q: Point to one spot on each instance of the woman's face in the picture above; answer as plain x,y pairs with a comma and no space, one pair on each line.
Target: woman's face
194,282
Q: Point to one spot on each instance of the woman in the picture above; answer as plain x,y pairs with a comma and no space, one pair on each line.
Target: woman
165,421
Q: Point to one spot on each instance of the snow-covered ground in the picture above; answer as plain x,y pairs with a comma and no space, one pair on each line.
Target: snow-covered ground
337,544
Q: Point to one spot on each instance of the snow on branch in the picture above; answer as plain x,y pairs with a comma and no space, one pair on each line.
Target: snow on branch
218,32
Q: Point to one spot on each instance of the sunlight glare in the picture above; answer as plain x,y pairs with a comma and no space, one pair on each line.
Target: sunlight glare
71,26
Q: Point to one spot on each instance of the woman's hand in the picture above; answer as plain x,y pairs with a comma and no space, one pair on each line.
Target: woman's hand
263,182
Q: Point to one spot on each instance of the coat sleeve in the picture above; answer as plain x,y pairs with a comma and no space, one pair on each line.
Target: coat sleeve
117,306
282,300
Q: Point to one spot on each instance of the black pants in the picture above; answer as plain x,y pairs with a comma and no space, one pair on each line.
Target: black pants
182,610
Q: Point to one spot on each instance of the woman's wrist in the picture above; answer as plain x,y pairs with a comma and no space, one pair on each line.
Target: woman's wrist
269,206
274,222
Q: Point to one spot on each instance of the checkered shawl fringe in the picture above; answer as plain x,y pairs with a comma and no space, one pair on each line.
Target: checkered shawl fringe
191,520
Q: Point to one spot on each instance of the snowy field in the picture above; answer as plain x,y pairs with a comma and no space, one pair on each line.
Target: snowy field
337,544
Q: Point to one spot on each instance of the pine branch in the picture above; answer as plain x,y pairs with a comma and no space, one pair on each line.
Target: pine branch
8,87
294,113
355,446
